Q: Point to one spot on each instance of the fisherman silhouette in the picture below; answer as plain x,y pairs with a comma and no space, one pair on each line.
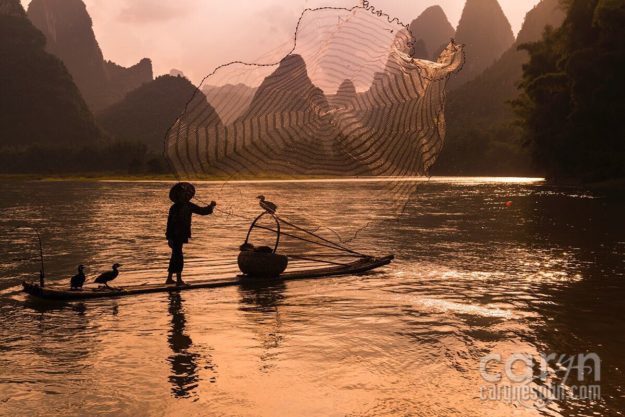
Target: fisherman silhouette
179,226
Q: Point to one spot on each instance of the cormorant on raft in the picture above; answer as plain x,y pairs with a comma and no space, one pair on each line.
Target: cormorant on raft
108,276
77,281
268,206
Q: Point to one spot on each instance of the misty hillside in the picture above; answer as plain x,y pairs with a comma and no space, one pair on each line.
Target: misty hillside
345,96
498,83
432,32
288,91
272,96
39,102
146,113
230,101
68,29
480,132
486,33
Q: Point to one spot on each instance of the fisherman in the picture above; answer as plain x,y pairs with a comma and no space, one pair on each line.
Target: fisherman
179,225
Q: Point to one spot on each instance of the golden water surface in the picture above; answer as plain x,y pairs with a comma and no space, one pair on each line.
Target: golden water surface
472,276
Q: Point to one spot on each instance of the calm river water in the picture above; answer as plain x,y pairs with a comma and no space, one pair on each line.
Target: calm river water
472,277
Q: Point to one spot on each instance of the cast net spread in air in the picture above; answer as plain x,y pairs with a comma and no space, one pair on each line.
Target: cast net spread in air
348,100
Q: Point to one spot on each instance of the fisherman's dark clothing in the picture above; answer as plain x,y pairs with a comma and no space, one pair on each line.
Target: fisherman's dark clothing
176,262
179,230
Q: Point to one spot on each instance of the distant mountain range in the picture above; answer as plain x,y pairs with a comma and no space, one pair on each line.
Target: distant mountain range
498,83
272,95
289,92
486,34
51,100
481,137
432,32
68,29
39,102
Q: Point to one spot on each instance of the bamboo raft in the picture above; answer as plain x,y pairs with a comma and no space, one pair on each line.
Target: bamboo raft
57,293
258,268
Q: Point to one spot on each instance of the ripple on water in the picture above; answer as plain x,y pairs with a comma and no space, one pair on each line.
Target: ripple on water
471,278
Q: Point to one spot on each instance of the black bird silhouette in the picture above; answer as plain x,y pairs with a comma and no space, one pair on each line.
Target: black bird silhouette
108,276
268,206
77,281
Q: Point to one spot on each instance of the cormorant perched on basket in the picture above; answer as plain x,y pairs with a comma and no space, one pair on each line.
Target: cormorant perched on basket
268,206
77,281
108,276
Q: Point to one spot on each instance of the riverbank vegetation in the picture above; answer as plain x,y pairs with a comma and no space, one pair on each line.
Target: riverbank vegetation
115,158
573,102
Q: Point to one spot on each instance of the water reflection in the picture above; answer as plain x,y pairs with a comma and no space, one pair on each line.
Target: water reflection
584,308
262,302
184,376
472,276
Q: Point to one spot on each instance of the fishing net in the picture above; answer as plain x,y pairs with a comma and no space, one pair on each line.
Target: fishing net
348,101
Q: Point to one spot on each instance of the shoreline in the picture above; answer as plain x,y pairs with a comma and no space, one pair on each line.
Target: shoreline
104,177
613,184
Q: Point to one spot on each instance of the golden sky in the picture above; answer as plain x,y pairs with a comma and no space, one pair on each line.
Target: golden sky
194,36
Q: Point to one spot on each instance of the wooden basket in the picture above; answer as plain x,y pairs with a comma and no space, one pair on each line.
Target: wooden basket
262,264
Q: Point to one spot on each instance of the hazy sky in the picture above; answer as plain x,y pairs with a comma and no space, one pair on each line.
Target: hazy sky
197,35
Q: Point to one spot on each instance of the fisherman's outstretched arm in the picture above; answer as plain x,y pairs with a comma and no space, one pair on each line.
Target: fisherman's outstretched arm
202,211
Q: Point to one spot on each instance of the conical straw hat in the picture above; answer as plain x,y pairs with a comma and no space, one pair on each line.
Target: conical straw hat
182,192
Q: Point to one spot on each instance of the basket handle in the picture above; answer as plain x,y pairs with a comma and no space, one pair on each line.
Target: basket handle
249,232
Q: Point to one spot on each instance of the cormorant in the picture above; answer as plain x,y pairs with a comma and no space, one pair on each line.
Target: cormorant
268,206
77,281
107,276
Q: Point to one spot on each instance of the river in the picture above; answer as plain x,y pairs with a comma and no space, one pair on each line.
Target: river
484,266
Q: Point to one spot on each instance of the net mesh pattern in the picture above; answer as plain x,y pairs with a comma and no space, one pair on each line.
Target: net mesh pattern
348,100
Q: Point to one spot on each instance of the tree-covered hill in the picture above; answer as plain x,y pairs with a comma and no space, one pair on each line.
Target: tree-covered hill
146,113
573,98
39,102
482,138
67,26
